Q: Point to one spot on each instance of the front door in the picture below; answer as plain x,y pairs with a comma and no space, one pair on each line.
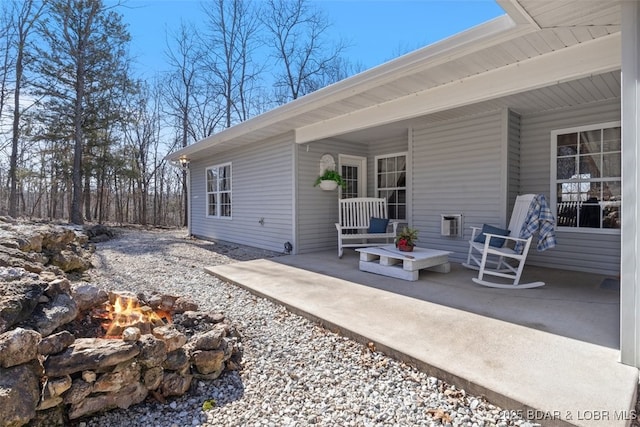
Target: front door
354,172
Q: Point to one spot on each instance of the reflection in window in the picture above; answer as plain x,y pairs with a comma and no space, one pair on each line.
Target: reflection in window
391,174
588,177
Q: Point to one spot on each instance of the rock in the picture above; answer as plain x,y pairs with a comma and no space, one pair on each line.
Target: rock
57,286
55,239
79,390
89,354
152,377
99,233
183,304
68,261
162,302
174,384
52,391
31,241
209,340
171,336
19,394
131,395
193,318
208,362
88,296
89,376
177,360
122,376
18,301
48,403
153,351
131,334
48,317
11,257
9,274
55,343
18,346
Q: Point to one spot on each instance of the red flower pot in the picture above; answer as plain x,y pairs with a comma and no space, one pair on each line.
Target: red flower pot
405,248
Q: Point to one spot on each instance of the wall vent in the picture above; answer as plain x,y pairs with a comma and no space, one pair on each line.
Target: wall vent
451,225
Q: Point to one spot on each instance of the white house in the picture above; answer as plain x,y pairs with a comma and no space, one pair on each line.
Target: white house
541,100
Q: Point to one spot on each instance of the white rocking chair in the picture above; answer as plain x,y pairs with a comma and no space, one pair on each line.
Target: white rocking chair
494,260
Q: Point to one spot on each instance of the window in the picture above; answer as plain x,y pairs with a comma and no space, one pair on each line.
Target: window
391,183
587,186
219,191
350,177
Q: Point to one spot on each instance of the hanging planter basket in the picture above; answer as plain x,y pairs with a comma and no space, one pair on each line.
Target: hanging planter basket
328,185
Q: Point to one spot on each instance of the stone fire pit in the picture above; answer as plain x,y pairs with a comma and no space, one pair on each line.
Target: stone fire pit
56,360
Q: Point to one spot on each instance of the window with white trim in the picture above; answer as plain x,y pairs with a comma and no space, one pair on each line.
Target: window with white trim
391,183
219,191
587,186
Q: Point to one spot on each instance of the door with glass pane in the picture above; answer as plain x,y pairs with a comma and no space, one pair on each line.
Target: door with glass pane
354,171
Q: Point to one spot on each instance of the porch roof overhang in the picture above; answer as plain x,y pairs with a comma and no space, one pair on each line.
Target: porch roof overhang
535,45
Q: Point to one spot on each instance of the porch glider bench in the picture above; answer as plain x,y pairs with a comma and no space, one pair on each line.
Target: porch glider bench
361,220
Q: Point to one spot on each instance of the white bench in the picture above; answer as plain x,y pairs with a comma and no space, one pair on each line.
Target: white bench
354,216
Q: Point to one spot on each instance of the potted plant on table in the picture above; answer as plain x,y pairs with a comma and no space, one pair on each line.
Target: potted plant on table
406,239
329,180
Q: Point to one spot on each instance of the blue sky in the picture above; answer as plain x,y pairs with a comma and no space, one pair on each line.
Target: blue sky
378,30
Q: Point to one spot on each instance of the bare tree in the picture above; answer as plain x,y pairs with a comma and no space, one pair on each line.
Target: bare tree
7,35
185,59
297,36
231,41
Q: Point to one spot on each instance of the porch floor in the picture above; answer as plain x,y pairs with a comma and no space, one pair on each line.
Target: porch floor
551,352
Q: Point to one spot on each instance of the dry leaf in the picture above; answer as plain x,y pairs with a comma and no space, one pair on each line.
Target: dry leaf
439,414
371,346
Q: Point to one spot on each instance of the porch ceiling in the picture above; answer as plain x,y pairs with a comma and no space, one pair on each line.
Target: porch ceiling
532,29
576,92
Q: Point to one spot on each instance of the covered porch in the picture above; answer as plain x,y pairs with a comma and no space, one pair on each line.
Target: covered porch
551,353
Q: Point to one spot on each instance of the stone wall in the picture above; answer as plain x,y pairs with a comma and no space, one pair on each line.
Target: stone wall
53,362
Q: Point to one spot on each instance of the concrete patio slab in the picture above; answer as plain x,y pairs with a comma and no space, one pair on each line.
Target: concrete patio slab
548,377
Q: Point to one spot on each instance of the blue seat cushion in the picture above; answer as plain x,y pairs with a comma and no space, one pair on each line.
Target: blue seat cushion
378,225
495,241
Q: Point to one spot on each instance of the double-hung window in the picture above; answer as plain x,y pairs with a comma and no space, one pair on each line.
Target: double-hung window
391,183
587,185
219,191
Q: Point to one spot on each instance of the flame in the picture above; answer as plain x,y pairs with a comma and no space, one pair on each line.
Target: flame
126,311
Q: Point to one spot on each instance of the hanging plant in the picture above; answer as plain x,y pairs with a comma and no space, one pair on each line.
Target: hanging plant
333,177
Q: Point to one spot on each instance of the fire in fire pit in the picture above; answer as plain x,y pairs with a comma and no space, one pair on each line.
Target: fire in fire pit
60,365
125,310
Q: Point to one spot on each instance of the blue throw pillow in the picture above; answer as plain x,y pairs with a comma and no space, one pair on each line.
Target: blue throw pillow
378,225
495,241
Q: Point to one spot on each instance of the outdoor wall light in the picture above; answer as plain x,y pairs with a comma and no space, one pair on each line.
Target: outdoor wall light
184,161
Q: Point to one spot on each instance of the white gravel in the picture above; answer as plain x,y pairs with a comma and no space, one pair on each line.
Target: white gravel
295,373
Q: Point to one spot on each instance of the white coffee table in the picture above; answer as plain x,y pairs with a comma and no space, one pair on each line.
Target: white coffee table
389,261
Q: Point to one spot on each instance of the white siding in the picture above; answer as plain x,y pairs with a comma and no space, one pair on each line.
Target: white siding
458,168
262,187
513,156
318,209
583,251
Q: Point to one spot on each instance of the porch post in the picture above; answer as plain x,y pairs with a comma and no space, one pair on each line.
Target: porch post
629,265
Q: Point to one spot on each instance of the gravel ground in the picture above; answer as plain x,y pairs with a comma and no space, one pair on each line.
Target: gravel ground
295,373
